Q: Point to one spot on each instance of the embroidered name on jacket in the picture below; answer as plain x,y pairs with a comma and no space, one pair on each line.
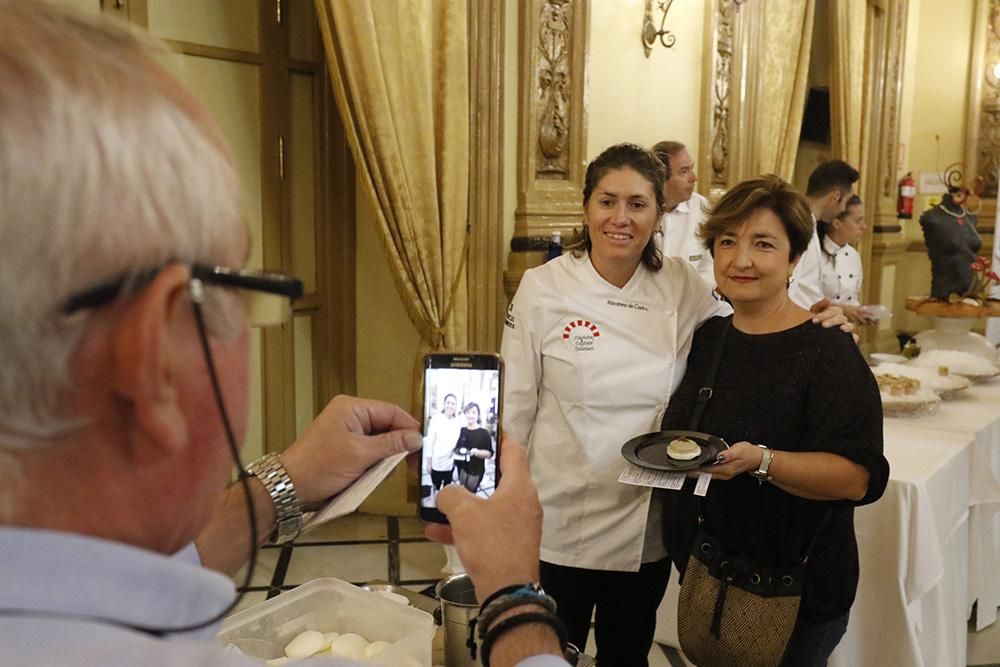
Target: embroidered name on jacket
624,304
582,335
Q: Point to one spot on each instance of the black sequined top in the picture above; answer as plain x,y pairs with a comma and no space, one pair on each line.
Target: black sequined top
803,389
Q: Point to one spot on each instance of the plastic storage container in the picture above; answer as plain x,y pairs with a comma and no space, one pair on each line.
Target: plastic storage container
332,605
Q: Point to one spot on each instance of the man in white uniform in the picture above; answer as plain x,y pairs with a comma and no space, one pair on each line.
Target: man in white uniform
126,352
686,210
828,190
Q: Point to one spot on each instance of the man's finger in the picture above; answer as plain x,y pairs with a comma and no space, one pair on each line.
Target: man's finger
394,442
452,497
513,462
439,532
821,305
379,416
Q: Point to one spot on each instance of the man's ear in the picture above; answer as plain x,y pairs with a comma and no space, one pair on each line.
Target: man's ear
145,373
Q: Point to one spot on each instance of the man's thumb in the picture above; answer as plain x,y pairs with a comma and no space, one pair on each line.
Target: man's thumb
452,497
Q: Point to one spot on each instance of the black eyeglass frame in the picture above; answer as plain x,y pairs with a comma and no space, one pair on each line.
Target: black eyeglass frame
279,284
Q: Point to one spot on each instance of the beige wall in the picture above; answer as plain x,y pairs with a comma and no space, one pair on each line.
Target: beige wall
932,123
940,57
634,98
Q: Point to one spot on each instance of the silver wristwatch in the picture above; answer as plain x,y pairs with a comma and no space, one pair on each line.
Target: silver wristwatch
287,506
761,474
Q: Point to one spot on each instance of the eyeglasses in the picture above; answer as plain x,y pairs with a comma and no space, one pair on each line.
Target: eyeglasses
267,297
265,291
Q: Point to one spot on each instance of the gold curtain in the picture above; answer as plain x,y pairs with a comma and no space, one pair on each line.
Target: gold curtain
400,76
847,77
784,81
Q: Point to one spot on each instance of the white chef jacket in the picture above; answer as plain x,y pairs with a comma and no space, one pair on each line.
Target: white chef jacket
440,441
840,273
588,367
805,288
679,235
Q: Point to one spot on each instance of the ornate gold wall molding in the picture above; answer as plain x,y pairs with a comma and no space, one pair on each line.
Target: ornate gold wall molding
982,150
884,50
733,30
486,89
552,127
895,50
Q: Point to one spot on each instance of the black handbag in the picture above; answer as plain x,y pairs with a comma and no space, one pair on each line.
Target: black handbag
733,611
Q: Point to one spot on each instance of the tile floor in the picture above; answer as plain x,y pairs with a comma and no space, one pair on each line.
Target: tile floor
360,548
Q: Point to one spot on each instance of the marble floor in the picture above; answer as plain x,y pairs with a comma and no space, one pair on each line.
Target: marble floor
360,548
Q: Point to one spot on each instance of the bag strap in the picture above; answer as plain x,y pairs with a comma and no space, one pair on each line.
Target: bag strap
705,393
819,529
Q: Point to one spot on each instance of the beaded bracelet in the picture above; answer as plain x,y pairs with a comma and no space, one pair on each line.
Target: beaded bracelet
509,601
511,622
507,590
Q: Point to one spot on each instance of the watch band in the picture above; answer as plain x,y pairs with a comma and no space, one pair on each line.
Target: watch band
761,473
287,506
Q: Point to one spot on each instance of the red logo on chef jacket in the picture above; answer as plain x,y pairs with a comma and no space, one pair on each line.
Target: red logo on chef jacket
582,335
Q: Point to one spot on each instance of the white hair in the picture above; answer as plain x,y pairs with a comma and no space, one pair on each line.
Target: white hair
106,167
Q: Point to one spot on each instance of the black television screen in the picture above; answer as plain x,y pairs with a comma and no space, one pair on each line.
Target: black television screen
816,119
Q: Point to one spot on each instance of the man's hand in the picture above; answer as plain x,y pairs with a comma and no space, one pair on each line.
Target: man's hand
831,316
859,315
498,540
348,437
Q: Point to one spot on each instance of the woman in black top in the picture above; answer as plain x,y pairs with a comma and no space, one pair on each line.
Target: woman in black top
800,407
475,445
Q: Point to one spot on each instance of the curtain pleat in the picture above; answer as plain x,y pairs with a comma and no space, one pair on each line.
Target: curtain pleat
785,79
399,72
847,45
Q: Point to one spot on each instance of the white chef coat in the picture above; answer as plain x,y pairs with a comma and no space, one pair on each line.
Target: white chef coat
679,235
442,435
840,273
588,367
805,288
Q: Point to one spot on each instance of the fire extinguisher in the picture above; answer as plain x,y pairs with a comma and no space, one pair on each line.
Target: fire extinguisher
907,191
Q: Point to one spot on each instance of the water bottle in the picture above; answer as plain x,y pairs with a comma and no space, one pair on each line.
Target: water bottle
555,248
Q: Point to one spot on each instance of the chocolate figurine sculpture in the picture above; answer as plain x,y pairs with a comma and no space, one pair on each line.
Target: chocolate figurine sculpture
952,239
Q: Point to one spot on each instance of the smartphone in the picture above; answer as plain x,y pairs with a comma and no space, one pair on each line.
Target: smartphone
462,414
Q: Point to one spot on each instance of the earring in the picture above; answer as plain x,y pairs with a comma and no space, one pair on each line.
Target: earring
788,281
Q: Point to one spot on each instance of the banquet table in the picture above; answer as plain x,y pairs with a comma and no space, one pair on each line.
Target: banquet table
928,546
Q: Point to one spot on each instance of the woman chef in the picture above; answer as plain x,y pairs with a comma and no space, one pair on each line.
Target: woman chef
595,342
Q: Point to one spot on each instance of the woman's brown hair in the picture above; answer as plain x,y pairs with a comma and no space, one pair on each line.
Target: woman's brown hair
646,165
768,192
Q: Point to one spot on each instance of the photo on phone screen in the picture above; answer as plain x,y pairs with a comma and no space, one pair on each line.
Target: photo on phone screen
461,427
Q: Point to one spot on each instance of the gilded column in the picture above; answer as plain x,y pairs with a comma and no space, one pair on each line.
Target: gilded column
552,129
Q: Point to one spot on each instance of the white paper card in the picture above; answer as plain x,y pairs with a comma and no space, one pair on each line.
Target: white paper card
660,479
701,487
351,498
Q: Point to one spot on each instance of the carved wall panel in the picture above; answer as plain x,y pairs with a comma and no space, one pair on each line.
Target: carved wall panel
552,128
486,87
727,143
983,141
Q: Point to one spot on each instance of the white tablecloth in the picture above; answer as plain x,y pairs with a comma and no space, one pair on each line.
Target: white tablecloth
929,547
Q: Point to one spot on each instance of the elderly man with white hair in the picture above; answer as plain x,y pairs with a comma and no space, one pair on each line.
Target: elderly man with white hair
123,392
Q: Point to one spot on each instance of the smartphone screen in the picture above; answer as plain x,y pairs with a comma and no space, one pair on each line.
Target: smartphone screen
461,427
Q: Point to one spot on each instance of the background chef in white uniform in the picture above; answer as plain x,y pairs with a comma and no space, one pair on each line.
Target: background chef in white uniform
841,272
595,342
685,210
827,191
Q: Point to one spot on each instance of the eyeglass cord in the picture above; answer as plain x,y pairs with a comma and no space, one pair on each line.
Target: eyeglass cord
197,292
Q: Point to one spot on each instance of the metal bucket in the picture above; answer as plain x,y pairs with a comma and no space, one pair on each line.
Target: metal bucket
458,607
576,658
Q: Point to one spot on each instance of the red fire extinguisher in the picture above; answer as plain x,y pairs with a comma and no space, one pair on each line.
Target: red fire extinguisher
907,191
